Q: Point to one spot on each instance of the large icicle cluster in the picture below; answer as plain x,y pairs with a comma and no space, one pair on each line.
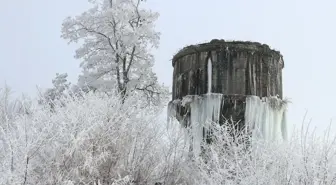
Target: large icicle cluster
172,112
267,118
203,111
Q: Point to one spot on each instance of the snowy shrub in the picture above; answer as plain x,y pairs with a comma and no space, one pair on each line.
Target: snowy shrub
230,159
100,140
95,140
10,108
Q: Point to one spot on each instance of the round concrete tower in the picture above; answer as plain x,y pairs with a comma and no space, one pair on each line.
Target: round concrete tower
237,69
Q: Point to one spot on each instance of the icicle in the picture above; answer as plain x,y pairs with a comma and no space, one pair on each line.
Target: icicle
248,116
209,75
284,130
172,112
266,117
216,104
187,100
196,132
211,110
203,111
268,120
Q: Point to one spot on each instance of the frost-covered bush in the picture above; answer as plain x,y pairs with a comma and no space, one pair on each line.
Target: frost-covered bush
96,139
10,107
231,159
91,140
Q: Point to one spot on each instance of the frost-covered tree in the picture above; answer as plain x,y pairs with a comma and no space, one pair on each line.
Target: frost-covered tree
60,89
117,36
60,86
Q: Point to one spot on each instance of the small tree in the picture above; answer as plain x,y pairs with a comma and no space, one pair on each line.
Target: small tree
60,88
117,37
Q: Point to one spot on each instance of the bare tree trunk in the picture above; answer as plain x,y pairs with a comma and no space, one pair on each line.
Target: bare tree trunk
12,161
26,171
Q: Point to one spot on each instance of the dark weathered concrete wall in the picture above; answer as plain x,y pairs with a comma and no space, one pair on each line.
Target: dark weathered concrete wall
238,69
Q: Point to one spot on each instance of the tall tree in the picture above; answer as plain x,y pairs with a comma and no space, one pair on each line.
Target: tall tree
117,38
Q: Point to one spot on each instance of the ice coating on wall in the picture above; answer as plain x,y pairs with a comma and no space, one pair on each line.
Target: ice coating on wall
203,111
266,118
209,75
172,112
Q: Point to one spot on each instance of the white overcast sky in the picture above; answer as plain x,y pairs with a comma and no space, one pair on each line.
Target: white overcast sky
31,50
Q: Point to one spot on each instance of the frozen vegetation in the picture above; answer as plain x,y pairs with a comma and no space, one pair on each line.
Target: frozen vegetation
97,139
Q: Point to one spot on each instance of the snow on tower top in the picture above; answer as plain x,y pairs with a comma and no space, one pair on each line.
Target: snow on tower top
237,46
